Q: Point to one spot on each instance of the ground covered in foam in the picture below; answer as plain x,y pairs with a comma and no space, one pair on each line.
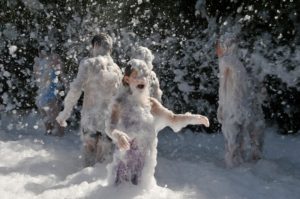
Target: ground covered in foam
190,165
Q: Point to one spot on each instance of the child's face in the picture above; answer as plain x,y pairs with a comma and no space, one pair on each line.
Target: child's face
136,81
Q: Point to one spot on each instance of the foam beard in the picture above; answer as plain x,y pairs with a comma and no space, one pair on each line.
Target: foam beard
140,92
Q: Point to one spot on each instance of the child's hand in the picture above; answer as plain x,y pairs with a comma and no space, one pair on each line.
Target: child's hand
122,139
198,119
123,143
203,120
60,120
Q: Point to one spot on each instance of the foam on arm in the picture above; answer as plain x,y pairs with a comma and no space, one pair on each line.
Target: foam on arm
166,117
75,91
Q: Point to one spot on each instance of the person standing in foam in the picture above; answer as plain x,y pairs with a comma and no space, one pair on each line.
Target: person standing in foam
134,120
145,54
99,78
47,71
238,111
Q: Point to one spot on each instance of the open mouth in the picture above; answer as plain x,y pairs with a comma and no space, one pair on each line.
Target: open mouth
141,86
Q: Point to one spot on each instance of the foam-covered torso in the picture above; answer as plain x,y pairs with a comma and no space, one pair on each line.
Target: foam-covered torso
136,120
233,89
101,83
138,123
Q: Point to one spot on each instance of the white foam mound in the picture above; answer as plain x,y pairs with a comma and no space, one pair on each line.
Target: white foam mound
189,166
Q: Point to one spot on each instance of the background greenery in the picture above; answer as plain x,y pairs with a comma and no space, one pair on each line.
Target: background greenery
181,34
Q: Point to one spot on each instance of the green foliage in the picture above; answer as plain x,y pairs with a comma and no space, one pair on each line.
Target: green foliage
182,41
282,105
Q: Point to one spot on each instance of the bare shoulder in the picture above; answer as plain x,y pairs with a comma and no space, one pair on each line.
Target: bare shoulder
153,74
116,69
154,102
89,62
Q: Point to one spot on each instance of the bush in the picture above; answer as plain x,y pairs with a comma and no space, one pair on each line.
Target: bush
182,35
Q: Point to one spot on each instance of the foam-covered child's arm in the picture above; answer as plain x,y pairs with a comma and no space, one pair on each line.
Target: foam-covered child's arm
175,121
119,137
73,94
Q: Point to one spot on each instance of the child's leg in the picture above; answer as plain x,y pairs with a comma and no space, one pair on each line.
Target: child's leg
233,145
257,141
47,122
126,166
135,162
104,148
54,109
43,114
121,173
89,147
49,127
130,169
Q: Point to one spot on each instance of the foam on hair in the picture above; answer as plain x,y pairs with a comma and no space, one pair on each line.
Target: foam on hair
228,42
104,41
145,54
140,66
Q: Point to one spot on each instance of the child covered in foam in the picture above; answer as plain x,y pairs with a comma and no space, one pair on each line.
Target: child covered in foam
133,123
239,111
49,78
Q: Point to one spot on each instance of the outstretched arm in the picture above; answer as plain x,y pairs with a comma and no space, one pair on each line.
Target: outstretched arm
175,121
73,95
